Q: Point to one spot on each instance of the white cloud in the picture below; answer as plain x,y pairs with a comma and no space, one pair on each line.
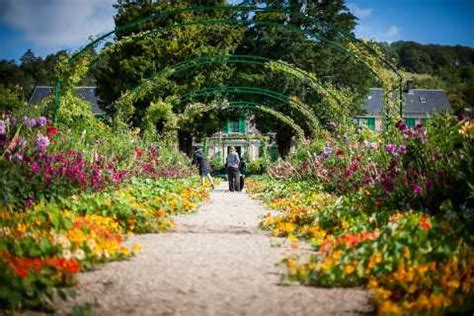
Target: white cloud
392,31
360,12
57,24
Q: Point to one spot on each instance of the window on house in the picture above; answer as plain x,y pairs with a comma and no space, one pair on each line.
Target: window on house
233,126
423,99
411,122
370,121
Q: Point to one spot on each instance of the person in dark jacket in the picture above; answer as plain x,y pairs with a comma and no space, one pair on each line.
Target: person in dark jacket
203,166
243,171
233,173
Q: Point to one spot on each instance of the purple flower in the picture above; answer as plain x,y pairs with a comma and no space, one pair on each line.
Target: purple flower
42,142
402,149
41,121
327,151
30,123
401,126
2,128
416,188
391,148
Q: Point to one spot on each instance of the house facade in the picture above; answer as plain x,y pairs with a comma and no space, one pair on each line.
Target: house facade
419,105
240,133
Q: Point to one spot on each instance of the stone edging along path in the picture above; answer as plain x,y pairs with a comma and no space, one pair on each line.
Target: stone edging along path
216,262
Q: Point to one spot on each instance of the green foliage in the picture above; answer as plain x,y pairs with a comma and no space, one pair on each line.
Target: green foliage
448,67
9,100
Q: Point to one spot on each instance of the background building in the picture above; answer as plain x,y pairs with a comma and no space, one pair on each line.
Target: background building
419,105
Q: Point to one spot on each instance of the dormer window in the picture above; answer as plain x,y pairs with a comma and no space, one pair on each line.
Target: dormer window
423,99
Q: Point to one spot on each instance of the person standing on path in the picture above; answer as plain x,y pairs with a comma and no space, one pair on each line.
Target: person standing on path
233,173
204,167
243,171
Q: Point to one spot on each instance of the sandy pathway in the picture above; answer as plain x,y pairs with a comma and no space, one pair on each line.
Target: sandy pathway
215,263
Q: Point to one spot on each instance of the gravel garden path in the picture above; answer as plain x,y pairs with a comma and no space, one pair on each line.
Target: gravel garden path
216,262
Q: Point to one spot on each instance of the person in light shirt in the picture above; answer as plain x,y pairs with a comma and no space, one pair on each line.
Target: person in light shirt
233,173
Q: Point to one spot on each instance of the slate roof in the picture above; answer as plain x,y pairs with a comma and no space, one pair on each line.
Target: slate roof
416,102
86,93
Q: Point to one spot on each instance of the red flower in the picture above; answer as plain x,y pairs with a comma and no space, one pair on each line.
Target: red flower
138,152
51,131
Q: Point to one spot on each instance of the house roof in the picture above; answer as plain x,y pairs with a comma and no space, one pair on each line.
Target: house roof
86,93
416,101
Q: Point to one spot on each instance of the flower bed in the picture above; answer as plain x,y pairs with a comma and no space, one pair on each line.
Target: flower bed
395,219
42,248
68,204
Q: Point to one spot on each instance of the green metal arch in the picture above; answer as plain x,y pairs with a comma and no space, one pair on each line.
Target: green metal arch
236,9
239,9
312,120
231,59
300,134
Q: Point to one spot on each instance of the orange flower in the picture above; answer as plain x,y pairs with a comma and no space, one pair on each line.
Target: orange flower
425,223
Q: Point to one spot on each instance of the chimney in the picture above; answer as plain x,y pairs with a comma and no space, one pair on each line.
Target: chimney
410,86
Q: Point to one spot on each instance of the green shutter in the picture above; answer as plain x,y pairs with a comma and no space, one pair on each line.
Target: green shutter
242,125
226,127
424,121
371,123
411,122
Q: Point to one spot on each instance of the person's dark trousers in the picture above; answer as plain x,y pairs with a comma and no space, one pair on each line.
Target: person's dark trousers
234,179
241,182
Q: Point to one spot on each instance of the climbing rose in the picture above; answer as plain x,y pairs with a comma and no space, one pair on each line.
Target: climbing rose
42,142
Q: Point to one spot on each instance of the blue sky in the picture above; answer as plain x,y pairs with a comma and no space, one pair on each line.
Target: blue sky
47,26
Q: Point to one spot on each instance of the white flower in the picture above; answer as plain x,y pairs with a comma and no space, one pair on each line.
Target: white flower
79,254
62,240
91,244
67,254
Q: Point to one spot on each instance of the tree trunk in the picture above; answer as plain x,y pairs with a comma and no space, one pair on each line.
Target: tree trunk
185,142
284,141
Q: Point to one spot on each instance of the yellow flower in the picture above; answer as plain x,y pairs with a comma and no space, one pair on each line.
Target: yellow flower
453,283
137,248
372,283
467,129
125,251
388,307
21,228
406,252
348,269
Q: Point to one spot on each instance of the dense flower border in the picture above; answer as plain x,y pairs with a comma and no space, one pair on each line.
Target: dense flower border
43,248
410,261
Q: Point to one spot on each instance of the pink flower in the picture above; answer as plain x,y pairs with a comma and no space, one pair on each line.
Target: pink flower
35,167
402,149
416,188
391,148
42,142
